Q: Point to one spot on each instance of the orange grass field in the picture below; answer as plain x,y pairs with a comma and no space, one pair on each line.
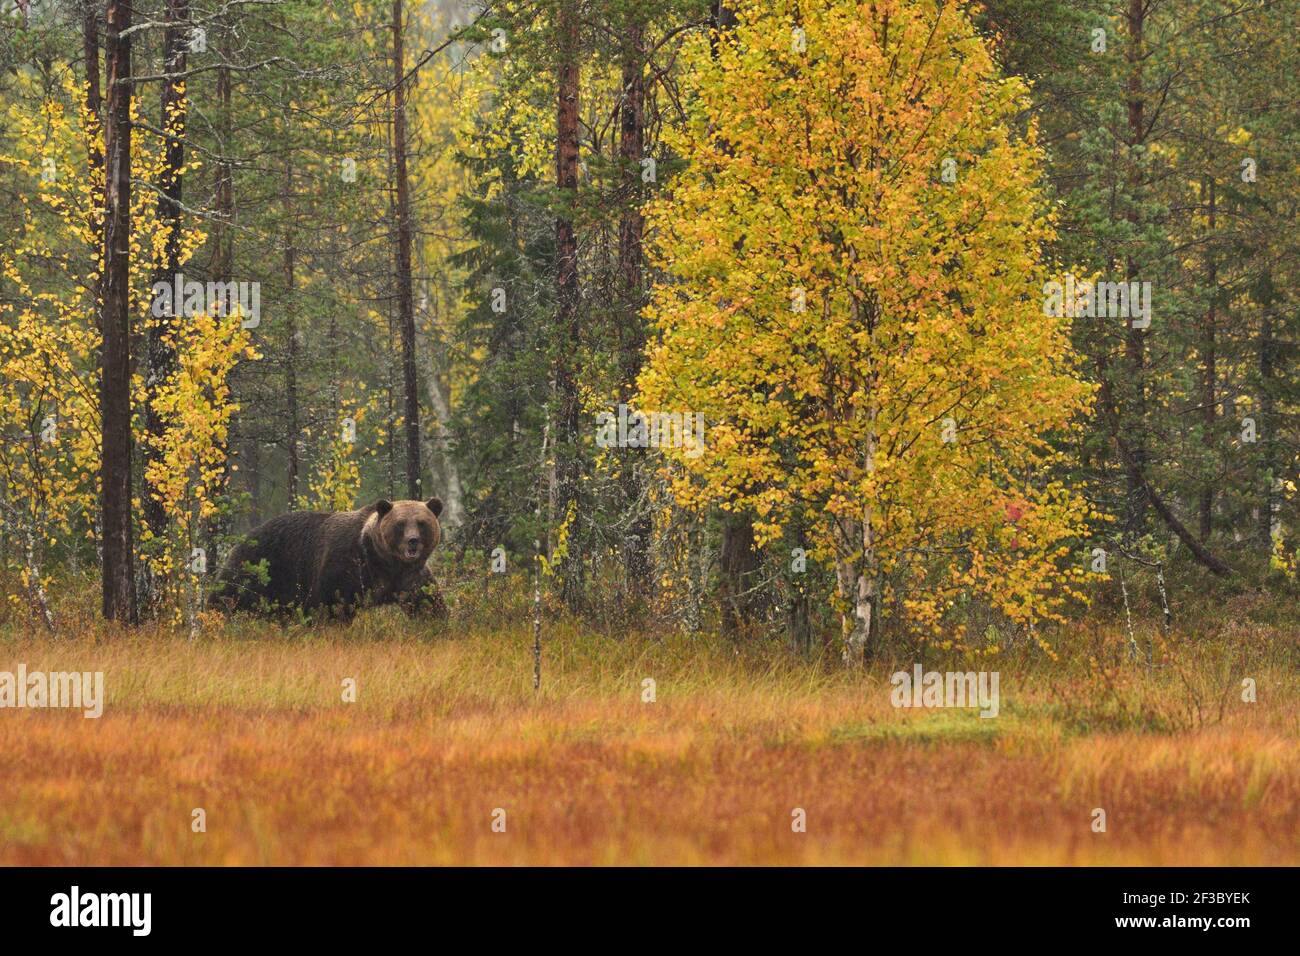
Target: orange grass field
252,728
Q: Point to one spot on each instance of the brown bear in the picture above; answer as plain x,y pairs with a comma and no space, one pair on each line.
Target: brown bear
335,563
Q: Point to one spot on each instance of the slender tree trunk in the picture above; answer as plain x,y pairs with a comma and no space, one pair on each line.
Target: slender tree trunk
119,597
390,423
855,585
798,605
223,266
392,444
94,106
568,322
631,146
859,641
35,586
442,461
566,180
90,50
1268,422
161,351
631,228
857,571
1209,372
292,424
405,305
1135,340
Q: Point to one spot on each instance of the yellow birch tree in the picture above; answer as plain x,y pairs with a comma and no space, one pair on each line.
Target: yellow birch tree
853,298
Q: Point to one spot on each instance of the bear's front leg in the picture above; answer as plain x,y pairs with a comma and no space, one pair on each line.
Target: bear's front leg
335,600
423,599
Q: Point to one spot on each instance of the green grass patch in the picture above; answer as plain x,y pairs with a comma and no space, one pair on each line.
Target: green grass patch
941,727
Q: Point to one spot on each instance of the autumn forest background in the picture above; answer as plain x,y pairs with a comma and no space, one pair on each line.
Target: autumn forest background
968,333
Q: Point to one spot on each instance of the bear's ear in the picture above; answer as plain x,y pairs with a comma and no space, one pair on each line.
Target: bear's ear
383,506
434,505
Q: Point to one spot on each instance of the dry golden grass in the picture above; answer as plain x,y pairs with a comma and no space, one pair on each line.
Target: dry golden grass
250,726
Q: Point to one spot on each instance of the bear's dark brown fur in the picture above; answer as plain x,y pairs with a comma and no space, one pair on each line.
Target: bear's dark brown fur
337,562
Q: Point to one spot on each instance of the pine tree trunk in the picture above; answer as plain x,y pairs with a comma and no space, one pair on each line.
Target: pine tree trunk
1268,423
632,331
223,269
1135,339
94,106
161,353
119,596
292,423
405,302
568,323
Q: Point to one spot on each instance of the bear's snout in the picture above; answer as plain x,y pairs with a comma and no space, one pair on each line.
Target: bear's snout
414,545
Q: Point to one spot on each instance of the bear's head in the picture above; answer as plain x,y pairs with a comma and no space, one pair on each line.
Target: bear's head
405,531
